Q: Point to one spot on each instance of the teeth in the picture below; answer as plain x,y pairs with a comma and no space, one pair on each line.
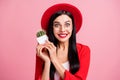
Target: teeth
63,35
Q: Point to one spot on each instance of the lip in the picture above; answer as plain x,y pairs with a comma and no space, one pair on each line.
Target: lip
62,35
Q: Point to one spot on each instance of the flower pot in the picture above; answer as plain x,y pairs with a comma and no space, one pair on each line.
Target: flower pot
42,39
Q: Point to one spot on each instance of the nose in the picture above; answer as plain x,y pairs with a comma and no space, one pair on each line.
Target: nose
62,28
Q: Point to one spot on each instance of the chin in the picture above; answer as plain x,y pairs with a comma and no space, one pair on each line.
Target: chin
63,41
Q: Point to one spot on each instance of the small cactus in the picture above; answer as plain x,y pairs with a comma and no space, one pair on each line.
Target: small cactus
40,33
41,37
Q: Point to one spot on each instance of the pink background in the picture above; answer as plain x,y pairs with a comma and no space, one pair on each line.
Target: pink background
20,20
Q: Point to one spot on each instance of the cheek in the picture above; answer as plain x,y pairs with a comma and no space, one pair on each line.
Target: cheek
54,32
70,29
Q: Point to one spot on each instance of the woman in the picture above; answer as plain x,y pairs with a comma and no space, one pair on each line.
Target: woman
61,58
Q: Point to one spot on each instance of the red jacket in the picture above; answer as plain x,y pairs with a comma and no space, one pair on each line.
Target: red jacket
81,74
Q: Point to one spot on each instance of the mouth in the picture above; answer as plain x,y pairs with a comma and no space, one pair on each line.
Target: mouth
62,35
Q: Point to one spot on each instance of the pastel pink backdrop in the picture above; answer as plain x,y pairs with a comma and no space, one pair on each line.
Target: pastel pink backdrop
20,20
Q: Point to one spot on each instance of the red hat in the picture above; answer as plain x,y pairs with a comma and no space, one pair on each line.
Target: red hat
62,6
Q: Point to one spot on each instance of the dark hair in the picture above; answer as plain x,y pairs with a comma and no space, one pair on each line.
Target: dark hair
72,50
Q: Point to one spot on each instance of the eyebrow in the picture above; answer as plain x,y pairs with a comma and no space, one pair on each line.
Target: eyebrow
59,22
55,22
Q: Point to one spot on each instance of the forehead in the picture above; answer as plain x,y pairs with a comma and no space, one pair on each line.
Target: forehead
63,18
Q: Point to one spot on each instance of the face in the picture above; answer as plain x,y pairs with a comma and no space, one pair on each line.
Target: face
62,28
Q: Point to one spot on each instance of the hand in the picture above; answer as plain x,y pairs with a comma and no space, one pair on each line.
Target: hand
42,52
51,49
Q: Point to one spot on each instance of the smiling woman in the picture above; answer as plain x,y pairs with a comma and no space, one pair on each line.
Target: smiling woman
60,57
62,28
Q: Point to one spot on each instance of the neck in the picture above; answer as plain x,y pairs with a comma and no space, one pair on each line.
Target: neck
63,45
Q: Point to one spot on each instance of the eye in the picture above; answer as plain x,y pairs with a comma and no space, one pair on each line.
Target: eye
67,24
56,25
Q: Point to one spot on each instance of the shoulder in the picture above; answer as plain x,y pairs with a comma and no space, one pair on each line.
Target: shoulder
83,49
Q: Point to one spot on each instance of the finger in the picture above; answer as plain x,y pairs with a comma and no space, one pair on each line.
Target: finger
51,49
39,49
50,43
48,48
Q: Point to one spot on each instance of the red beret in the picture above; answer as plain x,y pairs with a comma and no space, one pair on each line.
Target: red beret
62,6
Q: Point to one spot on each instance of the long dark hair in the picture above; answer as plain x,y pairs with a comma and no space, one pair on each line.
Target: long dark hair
72,50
